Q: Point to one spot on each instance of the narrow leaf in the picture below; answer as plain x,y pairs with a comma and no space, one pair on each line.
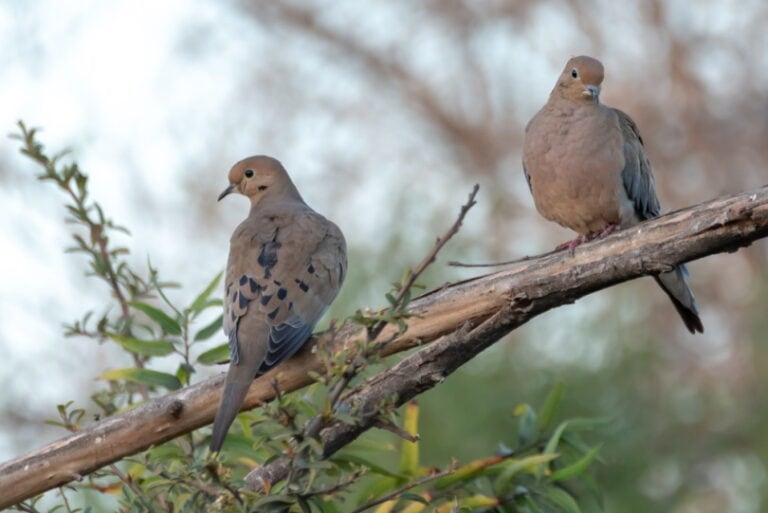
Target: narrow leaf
168,324
577,468
563,500
467,472
526,424
513,467
213,356
143,376
555,438
550,407
198,305
210,330
143,347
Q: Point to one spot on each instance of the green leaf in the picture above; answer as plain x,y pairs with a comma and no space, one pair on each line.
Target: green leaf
512,467
367,464
184,372
304,505
199,304
531,506
562,499
526,424
414,498
143,376
550,407
555,438
210,330
468,471
213,356
577,468
143,347
166,452
168,324
588,423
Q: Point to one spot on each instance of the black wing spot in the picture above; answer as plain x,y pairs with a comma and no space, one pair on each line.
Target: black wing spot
311,269
243,280
255,287
243,301
303,286
290,305
278,283
233,316
268,256
281,293
273,313
265,299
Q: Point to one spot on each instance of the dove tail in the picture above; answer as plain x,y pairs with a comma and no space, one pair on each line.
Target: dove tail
676,287
238,381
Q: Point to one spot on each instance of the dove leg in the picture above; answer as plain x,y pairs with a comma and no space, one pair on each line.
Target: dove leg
571,244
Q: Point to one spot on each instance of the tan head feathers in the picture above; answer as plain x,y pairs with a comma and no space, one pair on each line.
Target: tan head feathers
581,79
257,177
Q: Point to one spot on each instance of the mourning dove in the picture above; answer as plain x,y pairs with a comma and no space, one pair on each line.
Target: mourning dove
286,265
587,170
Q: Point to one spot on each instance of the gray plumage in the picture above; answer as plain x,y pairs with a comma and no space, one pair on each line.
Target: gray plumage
587,169
286,265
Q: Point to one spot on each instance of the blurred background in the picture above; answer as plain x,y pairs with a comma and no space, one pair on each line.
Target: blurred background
385,113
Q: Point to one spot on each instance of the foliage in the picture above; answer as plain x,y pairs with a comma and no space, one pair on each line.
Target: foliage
543,467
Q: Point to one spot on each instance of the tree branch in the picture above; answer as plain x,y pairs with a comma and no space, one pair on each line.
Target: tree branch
466,316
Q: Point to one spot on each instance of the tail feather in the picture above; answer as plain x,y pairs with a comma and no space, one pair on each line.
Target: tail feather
674,283
239,380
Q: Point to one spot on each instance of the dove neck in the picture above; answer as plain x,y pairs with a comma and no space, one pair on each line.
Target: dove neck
286,193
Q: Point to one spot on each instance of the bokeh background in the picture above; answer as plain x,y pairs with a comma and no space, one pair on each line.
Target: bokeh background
386,113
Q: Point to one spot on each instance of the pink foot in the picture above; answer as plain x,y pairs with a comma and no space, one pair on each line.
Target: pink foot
571,244
604,233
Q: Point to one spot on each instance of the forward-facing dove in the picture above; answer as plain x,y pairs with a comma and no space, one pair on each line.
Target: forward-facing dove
286,265
587,169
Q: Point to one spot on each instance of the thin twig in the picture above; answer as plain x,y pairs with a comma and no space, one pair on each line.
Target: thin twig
415,274
329,490
397,493
454,263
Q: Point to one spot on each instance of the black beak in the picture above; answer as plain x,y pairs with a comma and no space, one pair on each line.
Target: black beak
227,191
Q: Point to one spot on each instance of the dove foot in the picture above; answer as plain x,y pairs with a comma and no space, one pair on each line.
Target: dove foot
571,244
603,233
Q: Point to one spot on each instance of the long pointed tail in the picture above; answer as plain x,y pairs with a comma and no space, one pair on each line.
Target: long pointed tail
239,379
676,286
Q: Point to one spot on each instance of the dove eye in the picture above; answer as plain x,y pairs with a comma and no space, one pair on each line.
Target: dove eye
575,73
249,173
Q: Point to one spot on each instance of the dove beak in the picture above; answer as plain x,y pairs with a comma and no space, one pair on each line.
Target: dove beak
227,191
593,91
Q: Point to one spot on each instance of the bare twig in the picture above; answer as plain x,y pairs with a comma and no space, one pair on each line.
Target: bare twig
400,491
428,259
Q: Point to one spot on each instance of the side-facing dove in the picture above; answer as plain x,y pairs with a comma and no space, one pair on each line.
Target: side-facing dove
588,171
286,265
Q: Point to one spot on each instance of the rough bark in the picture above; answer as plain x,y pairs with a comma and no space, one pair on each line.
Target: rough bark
496,303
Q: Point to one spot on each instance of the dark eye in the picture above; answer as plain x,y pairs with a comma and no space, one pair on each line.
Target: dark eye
574,73
249,173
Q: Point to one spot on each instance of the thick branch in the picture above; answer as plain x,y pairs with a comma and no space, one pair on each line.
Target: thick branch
509,297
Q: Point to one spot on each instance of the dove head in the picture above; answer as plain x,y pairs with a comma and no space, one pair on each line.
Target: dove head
259,177
581,80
